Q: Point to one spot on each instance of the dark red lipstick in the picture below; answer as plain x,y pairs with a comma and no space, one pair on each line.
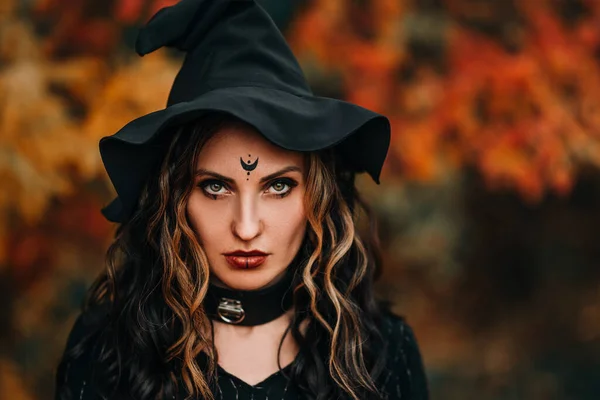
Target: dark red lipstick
245,259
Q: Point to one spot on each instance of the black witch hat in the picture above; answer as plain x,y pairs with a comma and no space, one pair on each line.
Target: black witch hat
236,62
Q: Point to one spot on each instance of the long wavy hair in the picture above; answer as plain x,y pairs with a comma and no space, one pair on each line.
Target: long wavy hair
154,326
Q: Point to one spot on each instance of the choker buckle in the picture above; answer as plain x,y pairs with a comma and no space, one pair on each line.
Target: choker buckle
231,310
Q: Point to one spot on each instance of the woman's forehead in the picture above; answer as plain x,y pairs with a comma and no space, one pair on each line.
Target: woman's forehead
234,142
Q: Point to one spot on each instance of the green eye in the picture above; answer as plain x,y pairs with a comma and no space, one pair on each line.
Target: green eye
215,187
279,186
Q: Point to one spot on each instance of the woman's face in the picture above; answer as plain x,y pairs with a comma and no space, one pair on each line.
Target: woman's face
247,207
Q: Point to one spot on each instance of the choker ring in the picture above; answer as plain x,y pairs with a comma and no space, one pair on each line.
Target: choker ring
231,311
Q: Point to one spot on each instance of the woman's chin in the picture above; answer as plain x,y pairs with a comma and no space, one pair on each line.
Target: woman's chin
243,280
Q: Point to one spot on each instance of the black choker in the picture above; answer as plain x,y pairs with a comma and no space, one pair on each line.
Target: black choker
250,307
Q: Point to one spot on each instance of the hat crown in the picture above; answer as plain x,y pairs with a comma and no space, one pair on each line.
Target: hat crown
229,43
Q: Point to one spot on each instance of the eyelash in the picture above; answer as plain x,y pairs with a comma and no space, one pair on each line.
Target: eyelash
286,181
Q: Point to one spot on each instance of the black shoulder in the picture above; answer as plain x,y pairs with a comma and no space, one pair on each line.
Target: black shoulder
405,377
77,368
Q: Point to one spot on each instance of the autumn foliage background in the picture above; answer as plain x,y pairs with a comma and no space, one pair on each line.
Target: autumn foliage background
489,208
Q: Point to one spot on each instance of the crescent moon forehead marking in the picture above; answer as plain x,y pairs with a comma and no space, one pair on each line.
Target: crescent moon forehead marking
248,166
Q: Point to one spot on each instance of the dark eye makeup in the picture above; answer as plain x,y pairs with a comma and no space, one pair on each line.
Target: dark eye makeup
213,188
280,184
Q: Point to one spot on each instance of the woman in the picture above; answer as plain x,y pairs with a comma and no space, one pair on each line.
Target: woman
237,271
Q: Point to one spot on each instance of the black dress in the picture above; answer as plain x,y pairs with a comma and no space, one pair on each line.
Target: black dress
404,379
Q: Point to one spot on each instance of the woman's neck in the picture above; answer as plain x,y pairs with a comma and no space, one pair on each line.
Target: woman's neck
252,353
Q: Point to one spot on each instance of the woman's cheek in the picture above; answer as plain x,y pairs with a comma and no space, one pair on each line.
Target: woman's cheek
199,212
288,219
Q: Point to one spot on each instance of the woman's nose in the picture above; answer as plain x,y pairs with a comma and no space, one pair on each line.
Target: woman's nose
247,224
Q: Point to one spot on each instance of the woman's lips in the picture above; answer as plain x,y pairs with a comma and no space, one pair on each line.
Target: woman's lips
245,262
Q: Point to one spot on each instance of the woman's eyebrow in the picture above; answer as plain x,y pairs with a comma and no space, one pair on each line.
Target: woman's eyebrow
202,171
291,168
280,172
